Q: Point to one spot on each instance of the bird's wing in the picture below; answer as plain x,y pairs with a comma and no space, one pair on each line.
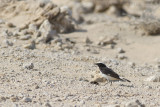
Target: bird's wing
110,72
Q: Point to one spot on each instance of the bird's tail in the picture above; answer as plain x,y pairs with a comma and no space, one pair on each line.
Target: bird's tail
123,79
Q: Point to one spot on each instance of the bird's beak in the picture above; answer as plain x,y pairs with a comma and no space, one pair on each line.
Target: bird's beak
95,63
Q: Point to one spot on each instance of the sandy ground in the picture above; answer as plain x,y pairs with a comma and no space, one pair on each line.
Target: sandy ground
47,76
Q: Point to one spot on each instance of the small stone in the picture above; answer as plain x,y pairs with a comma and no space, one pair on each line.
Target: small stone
8,43
32,27
25,37
2,99
131,64
47,33
157,60
111,46
56,40
27,100
7,33
120,50
103,41
100,8
157,66
24,26
121,56
87,40
134,103
116,105
2,21
97,78
88,6
154,78
37,87
42,3
9,24
16,33
29,66
31,45
47,105
15,99
66,10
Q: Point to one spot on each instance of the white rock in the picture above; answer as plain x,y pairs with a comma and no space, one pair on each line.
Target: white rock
2,21
120,50
157,60
87,40
154,78
10,24
121,56
47,33
134,103
131,64
47,105
31,45
65,9
29,66
103,40
33,27
157,66
25,37
8,43
116,105
88,6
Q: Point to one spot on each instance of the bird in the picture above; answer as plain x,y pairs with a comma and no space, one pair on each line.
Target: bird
109,74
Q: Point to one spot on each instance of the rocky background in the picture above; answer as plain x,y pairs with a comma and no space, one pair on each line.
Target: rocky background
48,49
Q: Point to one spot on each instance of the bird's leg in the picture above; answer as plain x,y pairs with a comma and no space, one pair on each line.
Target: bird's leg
111,83
107,81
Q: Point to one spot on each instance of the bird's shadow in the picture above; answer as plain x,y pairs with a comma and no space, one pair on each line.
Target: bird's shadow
80,30
123,85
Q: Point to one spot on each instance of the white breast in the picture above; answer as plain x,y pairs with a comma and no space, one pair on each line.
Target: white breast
109,77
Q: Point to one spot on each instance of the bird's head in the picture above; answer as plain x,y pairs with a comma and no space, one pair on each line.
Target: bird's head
100,65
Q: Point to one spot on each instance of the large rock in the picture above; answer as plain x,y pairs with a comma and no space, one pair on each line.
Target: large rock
47,32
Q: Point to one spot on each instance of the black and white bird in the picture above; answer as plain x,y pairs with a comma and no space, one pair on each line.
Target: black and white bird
109,74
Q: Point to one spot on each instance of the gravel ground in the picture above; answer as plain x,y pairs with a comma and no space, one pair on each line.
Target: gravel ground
48,51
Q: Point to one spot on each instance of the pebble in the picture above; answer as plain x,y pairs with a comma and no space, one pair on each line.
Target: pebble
87,40
154,78
16,33
121,56
132,64
30,45
113,105
24,26
9,24
47,105
47,33
2,99
134,103
7,33
27,99
157,66
29,66
7,43
33,27
120,50
25,37
15,99
105,41
88,6
2,21
65,9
